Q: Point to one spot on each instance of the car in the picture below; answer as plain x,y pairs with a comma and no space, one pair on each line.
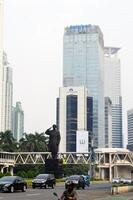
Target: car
44,181
116,180
126,180
12,183
86,180
78,181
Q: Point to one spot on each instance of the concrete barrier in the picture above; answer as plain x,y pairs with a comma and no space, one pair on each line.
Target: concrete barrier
121,189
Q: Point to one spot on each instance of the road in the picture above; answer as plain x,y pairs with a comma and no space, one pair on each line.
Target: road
94,192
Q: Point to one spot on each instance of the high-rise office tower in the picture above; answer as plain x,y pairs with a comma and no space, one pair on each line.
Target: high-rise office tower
112,89
83,65
74,113
108,122
17,121
7,96
1,57
130,129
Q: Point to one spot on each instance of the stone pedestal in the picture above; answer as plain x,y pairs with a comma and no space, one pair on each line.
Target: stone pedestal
54,166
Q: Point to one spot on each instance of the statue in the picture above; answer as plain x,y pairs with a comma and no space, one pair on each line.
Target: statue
54,140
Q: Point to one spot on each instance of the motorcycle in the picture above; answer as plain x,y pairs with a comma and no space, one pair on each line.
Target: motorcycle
55,194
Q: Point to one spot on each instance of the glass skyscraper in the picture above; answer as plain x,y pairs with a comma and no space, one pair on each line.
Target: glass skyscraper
112,89
7,96
17,121
83,65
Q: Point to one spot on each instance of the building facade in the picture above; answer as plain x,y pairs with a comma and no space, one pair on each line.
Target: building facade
130,129
1,58
83,65
7,96
112,89
74,113
18,121
108,123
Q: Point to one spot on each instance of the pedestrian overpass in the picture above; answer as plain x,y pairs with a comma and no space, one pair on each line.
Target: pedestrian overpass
7,162
109,162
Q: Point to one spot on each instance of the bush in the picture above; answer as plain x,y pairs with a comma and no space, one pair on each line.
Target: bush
1,174
75,169
23,174
8,174
31,174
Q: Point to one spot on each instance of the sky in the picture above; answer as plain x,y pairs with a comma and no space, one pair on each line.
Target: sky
33,41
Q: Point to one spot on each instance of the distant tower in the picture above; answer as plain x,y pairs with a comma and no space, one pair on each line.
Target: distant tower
112,89
7,96
18,121
1,59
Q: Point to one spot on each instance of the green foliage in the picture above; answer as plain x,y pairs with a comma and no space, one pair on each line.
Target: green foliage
8,174
33,143
22,174
75,169
1,174
31,174
30,143
7,141
29,171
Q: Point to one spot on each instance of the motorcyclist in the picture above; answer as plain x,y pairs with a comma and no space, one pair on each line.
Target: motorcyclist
69,193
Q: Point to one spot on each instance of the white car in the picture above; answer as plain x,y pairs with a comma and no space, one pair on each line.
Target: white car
126,180
116,180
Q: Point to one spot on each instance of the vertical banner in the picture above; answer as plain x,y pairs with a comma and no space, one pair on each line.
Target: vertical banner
82,141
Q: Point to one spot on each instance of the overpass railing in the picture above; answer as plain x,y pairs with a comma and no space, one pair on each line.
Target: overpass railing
40,157
7,158
102,159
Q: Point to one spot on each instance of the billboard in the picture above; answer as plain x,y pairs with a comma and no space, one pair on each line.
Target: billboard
82,141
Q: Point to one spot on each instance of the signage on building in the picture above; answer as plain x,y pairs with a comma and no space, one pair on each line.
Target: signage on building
82,141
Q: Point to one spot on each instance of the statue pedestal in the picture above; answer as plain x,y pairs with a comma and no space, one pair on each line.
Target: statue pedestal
54,166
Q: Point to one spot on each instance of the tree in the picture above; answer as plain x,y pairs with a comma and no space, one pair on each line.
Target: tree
7,141
33,143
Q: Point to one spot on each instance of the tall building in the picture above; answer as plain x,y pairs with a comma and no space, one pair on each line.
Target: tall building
108,122
130,129
7,96
18,121
112,89
83,65
74,113
1,57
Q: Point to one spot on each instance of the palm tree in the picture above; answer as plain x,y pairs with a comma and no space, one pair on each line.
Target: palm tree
33,143
7,141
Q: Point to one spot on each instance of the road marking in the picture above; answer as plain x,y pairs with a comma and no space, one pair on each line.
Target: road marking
36,194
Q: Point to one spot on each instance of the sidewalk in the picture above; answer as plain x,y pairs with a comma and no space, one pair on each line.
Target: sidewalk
118,197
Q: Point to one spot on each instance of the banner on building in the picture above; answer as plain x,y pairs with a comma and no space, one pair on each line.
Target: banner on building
82,141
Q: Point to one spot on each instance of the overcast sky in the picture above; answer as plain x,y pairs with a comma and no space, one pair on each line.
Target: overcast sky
33,40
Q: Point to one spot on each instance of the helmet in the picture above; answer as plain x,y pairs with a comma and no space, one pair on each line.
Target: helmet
70,183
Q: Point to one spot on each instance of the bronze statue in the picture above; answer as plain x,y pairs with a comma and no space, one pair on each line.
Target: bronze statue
54,140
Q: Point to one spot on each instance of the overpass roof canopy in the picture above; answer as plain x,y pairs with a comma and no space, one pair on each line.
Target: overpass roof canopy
112,150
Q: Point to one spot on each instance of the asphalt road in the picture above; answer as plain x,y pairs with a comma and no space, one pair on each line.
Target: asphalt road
94,192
